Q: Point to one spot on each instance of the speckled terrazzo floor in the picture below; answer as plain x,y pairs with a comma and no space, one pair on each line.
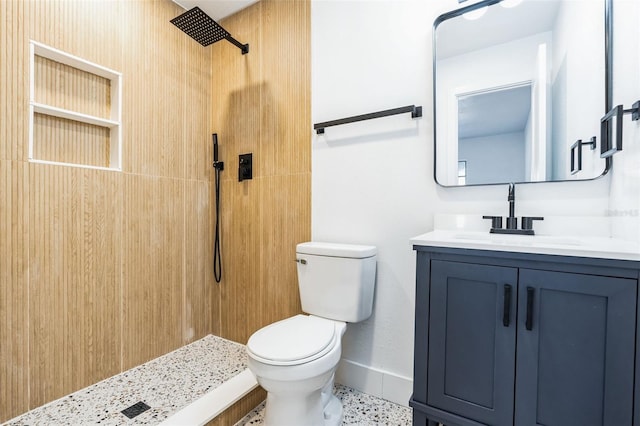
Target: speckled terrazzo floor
166,384
359,409
173,381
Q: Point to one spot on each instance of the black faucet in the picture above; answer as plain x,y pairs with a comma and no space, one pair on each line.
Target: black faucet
512,220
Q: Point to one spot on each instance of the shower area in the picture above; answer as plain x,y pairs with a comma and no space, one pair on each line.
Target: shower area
102,270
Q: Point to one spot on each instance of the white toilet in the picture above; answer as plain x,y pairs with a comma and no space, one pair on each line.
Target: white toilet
295,359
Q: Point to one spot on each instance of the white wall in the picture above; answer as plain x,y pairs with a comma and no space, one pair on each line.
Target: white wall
372,182
624,207
576,39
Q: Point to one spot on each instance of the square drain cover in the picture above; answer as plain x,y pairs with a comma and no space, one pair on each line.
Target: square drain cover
135,410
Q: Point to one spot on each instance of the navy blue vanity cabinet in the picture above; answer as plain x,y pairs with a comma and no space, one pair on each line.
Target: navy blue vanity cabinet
522,339
469,343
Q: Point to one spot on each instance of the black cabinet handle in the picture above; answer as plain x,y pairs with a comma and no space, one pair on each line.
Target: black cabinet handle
506,310
529,321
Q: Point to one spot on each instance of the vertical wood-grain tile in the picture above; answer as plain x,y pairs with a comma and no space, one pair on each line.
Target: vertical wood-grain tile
14,299
14,79
197,112
73,279
262,105
240,287
152,262
236,115
236,80
153,95
69,88
91,30
67,141
283,224
285,120
201,291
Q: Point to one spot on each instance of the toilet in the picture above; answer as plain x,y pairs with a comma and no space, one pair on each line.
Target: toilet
295,359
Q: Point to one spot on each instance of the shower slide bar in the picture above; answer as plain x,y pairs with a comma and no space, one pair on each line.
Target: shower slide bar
416,112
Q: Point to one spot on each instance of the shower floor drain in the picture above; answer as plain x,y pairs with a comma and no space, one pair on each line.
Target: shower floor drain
135,410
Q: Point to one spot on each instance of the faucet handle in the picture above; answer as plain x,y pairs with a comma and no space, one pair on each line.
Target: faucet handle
527,222
496,221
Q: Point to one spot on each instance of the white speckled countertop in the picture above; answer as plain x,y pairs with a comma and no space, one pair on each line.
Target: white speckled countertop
166,384
582,237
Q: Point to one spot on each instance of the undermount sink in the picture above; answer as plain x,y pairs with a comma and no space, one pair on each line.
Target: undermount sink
519,239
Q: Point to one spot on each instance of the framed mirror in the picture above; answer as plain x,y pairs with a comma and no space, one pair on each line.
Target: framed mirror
517,84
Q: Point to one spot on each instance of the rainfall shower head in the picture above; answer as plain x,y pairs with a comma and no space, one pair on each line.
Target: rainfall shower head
200,27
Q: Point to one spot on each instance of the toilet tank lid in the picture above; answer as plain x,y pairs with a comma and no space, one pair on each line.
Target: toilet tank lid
353,251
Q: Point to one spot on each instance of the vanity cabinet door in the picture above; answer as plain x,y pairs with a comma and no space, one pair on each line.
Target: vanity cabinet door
575,354
472,330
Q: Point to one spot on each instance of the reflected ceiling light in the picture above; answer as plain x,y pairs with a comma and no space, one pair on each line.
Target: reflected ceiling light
510,3
475,14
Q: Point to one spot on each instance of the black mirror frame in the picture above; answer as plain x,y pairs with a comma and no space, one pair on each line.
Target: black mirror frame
608,86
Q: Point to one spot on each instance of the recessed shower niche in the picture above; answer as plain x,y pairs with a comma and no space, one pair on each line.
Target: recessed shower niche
74,110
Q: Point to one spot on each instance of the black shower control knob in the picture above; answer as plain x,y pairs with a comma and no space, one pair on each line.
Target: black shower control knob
245,167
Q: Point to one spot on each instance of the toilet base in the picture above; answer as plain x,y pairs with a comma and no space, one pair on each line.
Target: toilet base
319,408
332,405
333,412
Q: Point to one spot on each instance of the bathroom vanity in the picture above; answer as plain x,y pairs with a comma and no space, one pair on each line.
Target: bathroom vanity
521,330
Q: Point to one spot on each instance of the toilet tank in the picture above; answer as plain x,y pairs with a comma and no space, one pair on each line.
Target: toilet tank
336,281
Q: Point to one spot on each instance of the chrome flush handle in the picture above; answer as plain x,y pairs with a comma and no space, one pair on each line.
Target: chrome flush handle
301,261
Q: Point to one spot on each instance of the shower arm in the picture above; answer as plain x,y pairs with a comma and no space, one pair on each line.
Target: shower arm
243,47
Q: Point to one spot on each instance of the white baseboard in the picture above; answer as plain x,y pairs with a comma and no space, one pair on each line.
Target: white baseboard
214,402
376,382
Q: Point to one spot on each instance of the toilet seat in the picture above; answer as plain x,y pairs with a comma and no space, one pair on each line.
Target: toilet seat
296,340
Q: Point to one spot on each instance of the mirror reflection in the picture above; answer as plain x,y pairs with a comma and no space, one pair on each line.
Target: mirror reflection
516,84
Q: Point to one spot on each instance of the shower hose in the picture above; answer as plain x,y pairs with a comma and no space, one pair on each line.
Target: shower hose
217,259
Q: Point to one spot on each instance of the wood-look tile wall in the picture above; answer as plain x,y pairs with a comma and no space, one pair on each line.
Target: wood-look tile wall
104,270
62,86
261,105
67,141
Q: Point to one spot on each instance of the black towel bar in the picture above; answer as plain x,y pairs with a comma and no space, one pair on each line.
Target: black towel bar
416,111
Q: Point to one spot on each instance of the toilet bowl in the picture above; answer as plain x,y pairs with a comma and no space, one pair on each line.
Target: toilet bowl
295,359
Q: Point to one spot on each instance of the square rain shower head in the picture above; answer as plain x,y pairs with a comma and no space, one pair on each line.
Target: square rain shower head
200,27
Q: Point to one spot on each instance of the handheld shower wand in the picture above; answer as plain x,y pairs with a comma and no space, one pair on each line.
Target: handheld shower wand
218,167
215,149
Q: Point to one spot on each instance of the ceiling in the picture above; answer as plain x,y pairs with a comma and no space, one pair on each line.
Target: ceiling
494,112
216,9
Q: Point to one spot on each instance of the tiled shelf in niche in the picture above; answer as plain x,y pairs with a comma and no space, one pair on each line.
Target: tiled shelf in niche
72,96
